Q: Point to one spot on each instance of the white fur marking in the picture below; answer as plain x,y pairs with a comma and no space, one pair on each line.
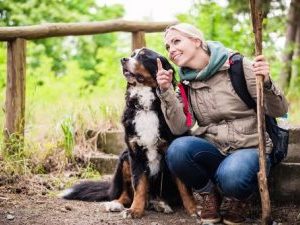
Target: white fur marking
65,193
147,126
113,206
161,206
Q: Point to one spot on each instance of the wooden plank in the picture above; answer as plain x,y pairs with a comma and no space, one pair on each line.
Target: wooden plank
15,92
138,40
87,28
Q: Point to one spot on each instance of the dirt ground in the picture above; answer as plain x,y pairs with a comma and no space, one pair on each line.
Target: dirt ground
33,200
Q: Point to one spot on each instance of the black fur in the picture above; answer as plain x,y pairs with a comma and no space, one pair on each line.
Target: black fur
100,190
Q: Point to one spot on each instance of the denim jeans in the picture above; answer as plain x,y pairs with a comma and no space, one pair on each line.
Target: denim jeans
196,162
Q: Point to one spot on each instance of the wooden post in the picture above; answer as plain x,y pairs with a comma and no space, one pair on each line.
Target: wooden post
257,17
138,40
15,95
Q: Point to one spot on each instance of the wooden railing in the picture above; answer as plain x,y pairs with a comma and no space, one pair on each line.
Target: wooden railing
16,58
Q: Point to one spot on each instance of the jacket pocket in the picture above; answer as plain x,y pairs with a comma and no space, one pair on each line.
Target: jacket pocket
245,125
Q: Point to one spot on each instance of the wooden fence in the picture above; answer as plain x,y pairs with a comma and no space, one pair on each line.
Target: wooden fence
16,59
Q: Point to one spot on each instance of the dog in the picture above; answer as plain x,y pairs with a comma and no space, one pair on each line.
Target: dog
142,178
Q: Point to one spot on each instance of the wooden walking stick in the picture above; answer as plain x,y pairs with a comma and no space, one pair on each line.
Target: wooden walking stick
256,15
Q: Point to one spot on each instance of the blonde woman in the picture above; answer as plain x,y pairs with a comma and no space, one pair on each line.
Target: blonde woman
222,155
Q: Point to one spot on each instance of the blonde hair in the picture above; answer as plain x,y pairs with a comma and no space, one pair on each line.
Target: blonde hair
190,31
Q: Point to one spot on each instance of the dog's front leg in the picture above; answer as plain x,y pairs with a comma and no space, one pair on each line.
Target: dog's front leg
187,197
139,200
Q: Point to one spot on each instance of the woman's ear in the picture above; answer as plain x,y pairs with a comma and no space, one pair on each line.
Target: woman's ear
198,43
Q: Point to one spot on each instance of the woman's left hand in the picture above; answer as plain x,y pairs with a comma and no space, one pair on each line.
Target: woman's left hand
261,67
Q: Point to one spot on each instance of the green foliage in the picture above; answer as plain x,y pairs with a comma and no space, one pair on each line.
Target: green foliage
89,172
217,24
60,50
67,126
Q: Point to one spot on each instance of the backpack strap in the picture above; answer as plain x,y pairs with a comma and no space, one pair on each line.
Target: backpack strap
238,81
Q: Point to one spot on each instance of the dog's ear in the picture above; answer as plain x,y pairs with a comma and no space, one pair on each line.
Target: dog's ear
167,66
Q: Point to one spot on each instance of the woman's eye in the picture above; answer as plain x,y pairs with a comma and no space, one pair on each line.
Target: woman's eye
176,41
167,47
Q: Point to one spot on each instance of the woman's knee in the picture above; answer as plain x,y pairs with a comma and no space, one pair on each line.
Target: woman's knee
177,151
237,174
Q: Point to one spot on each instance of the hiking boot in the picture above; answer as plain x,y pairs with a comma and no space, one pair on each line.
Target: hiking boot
234,212
211,205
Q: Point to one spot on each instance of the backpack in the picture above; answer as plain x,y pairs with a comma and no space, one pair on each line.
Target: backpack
278,135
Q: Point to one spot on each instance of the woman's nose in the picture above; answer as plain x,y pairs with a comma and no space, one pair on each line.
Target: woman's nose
171,49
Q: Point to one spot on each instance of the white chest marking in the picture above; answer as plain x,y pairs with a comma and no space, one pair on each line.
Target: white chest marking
147,127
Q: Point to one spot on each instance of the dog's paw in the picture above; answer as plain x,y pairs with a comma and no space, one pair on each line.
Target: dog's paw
113,206
160,206
197,213
131,214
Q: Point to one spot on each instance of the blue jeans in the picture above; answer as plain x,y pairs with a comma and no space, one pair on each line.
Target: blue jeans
196,162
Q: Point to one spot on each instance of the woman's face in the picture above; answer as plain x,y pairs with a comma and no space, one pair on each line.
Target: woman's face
181,49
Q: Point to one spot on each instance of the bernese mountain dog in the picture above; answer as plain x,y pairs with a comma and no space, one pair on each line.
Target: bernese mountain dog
142,178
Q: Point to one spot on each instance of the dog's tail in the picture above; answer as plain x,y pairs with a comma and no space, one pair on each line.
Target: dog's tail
91,191
100,190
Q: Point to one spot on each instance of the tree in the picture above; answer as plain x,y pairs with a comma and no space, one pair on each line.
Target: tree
292,42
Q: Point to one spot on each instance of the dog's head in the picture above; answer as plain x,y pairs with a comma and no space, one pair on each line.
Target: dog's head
141,67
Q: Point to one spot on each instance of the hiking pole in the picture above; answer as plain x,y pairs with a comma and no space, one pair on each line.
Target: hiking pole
256,15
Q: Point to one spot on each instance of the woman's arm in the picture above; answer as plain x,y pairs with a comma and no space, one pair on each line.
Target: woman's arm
172,108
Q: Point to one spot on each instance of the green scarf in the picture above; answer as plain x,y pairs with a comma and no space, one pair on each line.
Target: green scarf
218,56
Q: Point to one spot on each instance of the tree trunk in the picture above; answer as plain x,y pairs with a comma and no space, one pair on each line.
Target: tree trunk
296,59
290,36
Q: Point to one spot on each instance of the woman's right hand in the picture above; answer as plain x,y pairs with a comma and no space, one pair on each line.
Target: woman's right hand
163,77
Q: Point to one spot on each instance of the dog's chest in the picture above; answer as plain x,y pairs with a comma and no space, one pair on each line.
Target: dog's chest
146,123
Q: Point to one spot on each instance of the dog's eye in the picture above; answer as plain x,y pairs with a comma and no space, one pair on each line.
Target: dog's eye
140,78
133,54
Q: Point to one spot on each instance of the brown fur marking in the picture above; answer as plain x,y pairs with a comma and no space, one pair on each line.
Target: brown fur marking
187,197
126,196
140,197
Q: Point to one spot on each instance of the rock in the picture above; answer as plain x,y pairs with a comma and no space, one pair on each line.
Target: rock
298,217
64,210
69,208
10,216
155,223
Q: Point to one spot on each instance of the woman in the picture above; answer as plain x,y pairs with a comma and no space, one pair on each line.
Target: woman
222,156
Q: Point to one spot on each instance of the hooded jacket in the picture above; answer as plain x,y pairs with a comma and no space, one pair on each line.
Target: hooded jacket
220,115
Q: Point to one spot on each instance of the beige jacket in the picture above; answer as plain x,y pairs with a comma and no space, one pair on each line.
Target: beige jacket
222,117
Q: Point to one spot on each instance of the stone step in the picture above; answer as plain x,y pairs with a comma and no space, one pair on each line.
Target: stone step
284,179
284,182
104,163
294,145
293,155
113,142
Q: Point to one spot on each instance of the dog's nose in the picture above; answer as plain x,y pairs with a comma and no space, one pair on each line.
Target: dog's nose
124,60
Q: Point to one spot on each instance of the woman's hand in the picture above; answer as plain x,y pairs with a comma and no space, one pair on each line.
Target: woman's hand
163,77
261,67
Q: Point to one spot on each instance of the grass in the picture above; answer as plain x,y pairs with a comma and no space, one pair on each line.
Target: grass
67,126
57,110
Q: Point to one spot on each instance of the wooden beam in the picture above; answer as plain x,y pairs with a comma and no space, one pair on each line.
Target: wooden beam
138,40
15,92
86,28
